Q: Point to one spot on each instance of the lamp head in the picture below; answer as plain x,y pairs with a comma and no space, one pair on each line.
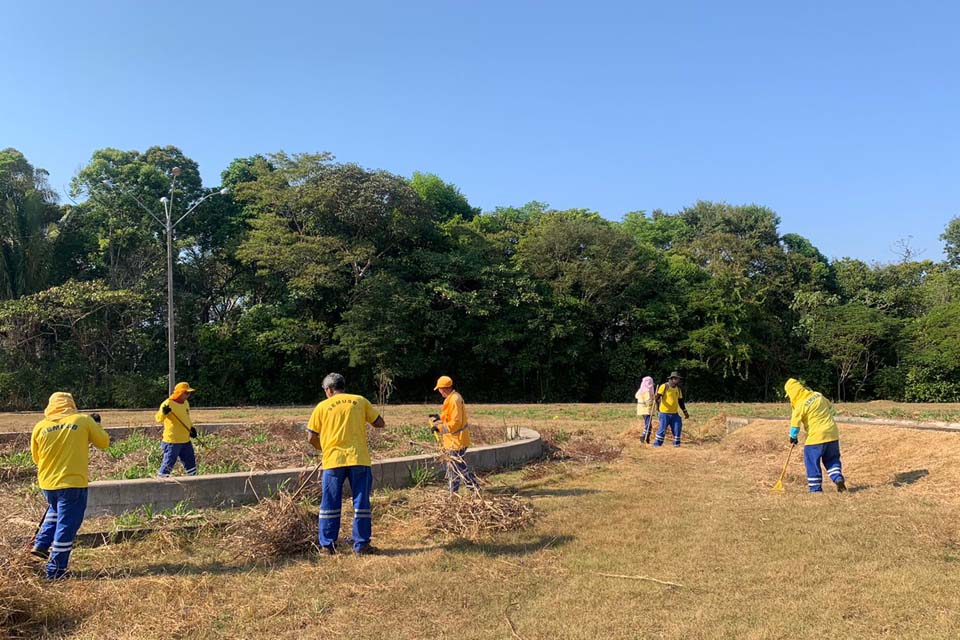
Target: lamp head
164,200
176,172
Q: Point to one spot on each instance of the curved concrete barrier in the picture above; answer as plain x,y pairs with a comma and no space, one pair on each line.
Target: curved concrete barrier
118,433
113,497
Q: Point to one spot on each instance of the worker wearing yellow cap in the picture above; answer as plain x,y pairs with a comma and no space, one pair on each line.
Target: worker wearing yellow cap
454,432
815,414
60,445
174,415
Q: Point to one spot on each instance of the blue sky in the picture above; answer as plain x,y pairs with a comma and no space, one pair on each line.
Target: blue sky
840,116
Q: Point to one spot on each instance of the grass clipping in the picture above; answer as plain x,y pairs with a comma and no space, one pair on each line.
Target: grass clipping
28,607
277,527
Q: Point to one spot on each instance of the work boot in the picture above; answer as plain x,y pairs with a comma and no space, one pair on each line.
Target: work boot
329,549
367,550
43,554
841,486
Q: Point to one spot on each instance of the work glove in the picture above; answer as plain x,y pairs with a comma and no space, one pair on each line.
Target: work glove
434,429
96,417
794,435
193,432
794,440
686,416
165,409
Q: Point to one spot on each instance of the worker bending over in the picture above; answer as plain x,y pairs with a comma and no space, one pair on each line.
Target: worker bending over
815,414
338,428
454,433
60,445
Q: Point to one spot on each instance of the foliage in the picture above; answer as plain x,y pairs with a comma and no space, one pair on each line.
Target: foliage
309,265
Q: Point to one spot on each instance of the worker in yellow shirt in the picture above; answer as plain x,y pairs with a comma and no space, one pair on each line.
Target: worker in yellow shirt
454,431
670,402
60,445
174,415
338,428
815,414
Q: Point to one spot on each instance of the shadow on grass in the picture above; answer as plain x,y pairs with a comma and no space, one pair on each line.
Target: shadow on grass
559,493
508,549
909,477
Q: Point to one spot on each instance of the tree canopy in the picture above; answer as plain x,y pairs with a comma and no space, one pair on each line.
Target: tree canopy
310,265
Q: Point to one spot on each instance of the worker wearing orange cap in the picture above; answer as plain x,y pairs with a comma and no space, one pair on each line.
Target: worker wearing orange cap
174,415
454,433
60,445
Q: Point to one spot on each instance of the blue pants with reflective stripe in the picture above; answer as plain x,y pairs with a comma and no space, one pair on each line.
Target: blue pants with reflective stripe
646,428
361,484
458,470
182,451
675,423
829,454
65,509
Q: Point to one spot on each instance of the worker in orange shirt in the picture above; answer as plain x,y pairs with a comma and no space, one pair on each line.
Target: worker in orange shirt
454,431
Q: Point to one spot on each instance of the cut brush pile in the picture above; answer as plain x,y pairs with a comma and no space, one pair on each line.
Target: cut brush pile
474,515
277,527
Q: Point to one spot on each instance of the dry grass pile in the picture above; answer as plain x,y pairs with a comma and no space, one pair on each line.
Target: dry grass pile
28,607
277,527
475,515
580,446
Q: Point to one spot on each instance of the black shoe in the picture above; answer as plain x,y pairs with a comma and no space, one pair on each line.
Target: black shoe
43,554
841,486
367,550
329,549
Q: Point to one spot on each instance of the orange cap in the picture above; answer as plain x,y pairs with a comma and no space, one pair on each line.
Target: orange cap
443,382
183,387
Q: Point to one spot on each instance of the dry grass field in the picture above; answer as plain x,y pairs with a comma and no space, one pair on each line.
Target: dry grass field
882,561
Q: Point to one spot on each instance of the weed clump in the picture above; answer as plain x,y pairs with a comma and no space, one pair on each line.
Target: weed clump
28,607
579,446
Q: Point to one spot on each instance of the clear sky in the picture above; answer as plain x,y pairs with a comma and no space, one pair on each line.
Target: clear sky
840,116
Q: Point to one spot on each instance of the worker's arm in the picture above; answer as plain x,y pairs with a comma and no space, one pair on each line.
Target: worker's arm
378,423
683,407
796,419
313,429
98,437
314,439
658,396
371,416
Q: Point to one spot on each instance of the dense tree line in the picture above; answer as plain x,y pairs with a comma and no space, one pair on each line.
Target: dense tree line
309,265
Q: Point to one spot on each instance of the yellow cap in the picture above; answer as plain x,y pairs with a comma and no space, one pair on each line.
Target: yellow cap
183,387
443,382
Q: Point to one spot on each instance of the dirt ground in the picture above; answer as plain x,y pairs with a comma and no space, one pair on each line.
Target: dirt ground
650,543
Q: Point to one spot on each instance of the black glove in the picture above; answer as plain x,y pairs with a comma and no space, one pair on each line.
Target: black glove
165,409
794,440
193,432
434,429
434,417
96,417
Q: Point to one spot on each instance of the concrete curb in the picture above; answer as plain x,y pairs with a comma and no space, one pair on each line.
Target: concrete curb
734,423
113,497
154,430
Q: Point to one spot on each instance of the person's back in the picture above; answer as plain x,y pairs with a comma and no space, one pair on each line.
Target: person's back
60,447
341,421
814,412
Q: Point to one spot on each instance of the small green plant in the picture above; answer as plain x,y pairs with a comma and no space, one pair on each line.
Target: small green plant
16,459
416,432
561,436
227,466
422,474
134,442
258,438
134,472
182,508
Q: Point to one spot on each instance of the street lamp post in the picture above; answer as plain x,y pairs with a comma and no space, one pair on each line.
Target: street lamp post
169,224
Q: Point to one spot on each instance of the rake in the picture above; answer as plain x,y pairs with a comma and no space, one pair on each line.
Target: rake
779,486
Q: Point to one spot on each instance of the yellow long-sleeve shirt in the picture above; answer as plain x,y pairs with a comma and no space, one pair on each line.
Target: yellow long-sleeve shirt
453,415
61,450
175,432
812,412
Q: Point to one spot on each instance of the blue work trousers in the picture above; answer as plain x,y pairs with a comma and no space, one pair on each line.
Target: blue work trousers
457,471
647,426
182,451
675,423
829,454
65,509
361,484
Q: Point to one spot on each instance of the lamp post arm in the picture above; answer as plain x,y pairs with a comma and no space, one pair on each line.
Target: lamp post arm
142,206
197,204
